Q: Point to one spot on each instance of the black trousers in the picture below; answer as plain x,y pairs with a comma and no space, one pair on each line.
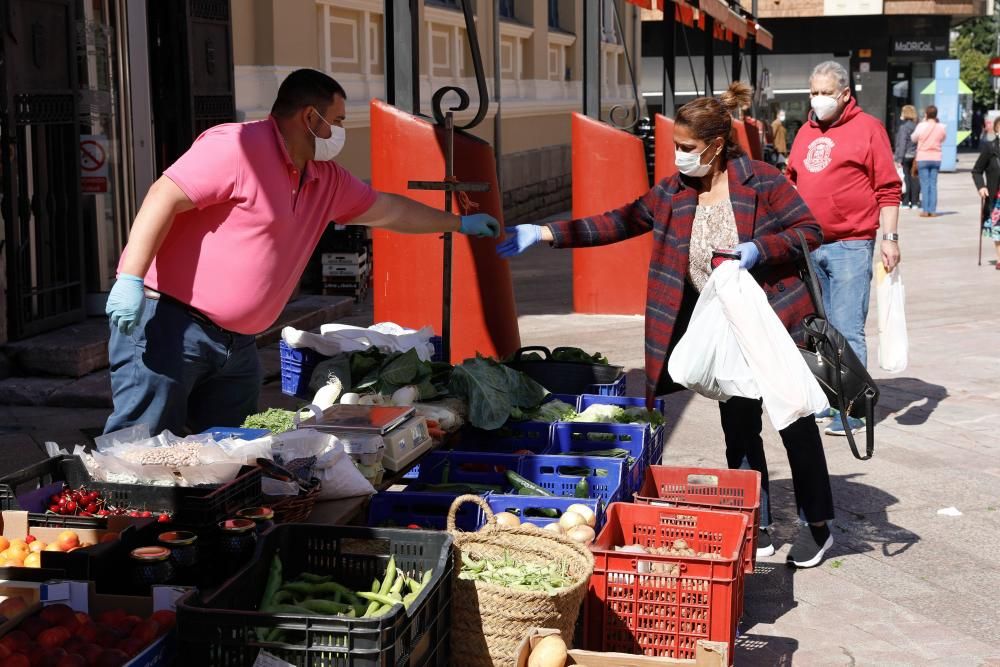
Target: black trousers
912,194
741,424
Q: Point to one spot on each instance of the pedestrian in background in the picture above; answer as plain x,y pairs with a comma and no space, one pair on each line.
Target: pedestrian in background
780,134
986,176
978,123
843,166
719,199
906,154
929,135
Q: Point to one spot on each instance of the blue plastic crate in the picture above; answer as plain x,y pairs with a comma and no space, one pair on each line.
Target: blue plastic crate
221,432
297,366
520,505
466,468
512,437
580,438
616,388
427,510
606,479
658,434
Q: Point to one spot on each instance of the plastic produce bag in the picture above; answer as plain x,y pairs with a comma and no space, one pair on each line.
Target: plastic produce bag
708,359
902,178
336,471
787,386
893,341
333,339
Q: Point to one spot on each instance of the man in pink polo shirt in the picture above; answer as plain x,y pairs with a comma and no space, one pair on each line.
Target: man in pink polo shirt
218,247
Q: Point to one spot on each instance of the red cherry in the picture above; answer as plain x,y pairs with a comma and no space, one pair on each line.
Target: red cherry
54,500
29,539
133,514
103,513
163,518
145,514
54,508
71,506
91,507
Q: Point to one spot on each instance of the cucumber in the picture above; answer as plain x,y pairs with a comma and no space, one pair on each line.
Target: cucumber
582,489
525,487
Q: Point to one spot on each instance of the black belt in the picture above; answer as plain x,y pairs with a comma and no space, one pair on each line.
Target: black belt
196,315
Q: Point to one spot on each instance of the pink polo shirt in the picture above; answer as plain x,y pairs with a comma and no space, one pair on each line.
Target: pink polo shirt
239,254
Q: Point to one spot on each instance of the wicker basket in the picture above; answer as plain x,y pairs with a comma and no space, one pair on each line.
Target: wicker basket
489,621
295,509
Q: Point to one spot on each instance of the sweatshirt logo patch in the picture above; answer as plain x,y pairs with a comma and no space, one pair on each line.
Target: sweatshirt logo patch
819,154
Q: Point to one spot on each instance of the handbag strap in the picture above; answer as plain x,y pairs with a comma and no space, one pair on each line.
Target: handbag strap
809,276
869,424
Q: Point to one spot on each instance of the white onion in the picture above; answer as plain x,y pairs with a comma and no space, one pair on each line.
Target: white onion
507,520
581,534
554,527
571,520
350,398
585,512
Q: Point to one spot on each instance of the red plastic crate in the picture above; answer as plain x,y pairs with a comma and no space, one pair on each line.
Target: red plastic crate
731,490
635,607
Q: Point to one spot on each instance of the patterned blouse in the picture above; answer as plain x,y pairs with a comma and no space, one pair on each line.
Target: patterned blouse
714,228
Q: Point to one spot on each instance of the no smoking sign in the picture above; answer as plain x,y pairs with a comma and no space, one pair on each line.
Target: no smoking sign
93,164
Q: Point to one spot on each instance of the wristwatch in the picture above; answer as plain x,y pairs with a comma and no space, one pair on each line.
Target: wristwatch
890,237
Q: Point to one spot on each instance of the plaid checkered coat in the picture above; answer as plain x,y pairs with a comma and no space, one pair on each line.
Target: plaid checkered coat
768,211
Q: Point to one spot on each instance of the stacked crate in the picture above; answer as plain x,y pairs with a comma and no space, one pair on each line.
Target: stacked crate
347,266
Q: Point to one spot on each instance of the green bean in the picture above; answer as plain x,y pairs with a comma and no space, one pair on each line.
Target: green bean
290,609
390,577
270,590
326,607
315,578
299,588
380,599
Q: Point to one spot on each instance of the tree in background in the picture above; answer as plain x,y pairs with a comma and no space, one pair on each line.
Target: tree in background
974,46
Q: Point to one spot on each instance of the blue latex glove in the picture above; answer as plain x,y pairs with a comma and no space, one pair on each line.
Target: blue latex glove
519,239
749,255
480,224
125,303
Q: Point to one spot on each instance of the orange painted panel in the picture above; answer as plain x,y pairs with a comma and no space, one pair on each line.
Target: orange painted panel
753,139
664,166
741,137
609,170
407,268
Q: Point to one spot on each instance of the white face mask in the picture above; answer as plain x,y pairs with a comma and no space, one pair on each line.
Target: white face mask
327,149
825,106
690,164
781,116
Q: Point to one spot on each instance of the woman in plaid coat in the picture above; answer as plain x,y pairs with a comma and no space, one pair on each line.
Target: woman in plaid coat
720,199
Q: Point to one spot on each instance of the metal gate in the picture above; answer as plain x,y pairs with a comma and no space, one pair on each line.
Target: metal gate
39,159
191,71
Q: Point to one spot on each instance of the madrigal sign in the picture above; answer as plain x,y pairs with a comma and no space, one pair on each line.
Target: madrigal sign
919,46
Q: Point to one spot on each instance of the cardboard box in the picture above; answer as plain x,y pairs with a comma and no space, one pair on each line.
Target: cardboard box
82,596
14,524
709,654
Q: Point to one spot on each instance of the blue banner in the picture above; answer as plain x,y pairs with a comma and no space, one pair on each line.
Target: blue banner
946,73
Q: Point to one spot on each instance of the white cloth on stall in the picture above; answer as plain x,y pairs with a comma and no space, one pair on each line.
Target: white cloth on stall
387,336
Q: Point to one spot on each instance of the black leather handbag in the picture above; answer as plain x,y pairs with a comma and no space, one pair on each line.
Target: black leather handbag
840,373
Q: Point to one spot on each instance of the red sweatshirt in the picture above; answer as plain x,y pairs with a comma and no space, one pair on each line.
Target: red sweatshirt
845,173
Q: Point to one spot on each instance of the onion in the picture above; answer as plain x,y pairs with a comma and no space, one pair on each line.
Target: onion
571,520
554,527
581,534
405,395
530,527
350,398
585,512
507,520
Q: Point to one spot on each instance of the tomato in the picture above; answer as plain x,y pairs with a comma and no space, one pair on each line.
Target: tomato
16,660
54,637
87,633
34,626
57,614
91,652
71,660
146,632
130,647
111,616
17,641
165,619
111,658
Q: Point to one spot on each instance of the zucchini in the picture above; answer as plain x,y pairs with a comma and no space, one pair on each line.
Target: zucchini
617,453
582,489
525,487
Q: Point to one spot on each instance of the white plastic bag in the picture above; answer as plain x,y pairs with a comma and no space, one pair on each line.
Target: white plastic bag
902,178
387,336
788,387
334,468
893,341
708,359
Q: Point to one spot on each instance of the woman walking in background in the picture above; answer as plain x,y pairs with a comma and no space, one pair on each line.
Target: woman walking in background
906,153
929,136
986,176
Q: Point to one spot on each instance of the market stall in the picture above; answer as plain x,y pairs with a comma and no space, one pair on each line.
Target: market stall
414,512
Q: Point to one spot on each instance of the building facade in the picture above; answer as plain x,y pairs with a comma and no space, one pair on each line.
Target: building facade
541,63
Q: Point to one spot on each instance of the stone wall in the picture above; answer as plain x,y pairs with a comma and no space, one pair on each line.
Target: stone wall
537,184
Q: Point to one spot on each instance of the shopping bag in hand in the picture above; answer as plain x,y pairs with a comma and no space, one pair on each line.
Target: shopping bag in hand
708,359
893,342
786,384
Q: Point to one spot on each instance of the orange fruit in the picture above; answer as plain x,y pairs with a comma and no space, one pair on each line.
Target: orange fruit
18,543
33,560
4,543
16,560
68,540
36,546
52,547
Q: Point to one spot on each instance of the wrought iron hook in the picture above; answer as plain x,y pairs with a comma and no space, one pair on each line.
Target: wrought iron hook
477,64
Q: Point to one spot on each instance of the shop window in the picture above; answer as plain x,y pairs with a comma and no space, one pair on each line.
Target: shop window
554,14
506,9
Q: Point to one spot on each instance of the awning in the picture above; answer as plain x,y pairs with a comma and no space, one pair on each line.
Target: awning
931,88
729,25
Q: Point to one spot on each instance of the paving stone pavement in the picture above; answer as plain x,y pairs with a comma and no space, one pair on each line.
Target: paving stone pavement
903,585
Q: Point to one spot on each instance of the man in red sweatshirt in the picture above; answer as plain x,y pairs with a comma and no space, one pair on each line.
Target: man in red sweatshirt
842,163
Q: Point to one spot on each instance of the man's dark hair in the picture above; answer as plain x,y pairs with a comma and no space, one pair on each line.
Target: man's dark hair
304,88
931,112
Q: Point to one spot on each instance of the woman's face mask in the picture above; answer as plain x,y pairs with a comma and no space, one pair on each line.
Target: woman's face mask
690,164
327,149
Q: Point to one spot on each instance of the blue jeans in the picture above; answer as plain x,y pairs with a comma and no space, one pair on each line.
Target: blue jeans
844,269
177,373
928,185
